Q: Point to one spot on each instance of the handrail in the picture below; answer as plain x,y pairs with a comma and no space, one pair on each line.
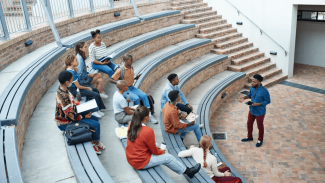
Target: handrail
285,51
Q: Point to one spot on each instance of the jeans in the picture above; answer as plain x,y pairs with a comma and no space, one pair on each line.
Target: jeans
167,160
93,122
125,125
108,69
136,95
196,129
184,108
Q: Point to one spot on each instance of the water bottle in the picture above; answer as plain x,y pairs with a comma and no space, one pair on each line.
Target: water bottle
78,95
128,98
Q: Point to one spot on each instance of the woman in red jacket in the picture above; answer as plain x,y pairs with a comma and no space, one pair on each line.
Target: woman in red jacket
141,150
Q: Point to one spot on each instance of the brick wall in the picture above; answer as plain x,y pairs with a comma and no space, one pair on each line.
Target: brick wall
14,49
174,62
204,75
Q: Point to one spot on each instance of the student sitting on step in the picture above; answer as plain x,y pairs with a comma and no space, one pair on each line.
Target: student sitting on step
209,162
123,113
141,150
86,91
66,110
97,52
87,79
171,118
128,75
173,85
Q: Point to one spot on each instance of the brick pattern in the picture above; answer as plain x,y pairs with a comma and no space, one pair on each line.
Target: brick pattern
228,41
174,62
204,75
42,35
293,146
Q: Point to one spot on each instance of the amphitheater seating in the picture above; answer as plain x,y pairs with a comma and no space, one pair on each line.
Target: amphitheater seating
110,27
9,163
158,14
204,110
145,70
152,175
150,36
86,165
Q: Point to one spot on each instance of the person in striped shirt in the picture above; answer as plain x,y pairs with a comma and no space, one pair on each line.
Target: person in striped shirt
97,52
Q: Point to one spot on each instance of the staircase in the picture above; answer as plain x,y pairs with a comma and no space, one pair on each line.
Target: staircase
243,55
13,7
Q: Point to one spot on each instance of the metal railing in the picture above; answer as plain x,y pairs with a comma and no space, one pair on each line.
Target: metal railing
239,12
22,15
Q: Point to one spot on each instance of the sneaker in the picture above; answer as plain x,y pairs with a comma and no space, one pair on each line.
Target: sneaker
190,172
201,125
259,143
101,113
152,119
246,139
96,114
103,95
96,150
100,146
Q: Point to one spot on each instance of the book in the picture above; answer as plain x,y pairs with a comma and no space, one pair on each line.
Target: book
87,107
122,132
134,107
109,57
192,116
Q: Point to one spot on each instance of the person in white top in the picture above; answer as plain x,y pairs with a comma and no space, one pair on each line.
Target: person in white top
209,162
97,52
123,113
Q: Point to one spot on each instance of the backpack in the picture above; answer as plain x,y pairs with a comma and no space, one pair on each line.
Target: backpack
122,70
78,132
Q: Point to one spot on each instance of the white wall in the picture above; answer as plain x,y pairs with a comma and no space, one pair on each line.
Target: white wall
310,43
277,18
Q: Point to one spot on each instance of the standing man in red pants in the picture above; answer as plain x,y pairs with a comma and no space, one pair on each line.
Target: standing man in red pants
260,97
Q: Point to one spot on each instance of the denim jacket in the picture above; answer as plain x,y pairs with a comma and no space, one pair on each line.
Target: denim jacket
260,95
164,97
82,71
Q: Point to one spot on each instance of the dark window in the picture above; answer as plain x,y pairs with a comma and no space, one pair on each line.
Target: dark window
307,15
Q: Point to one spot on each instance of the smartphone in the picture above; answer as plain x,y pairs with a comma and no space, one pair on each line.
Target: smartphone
249,103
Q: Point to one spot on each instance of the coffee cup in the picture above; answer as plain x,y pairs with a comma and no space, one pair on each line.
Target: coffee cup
163,146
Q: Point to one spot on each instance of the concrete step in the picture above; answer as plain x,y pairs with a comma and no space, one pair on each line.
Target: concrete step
268,74
232,49
189,7
201,20
271,81
200,15
197,10
260,69
227,37
247,58
231,43
186,2
211,23
242,53
215,28
248,65
217,33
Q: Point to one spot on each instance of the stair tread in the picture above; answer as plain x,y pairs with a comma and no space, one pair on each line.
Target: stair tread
236,46
202,18
219,31
187,6
231,41
228,35
197,10
241,51
247,56
268,64
201,13
214,27
211,22
270,80
249,63
184,2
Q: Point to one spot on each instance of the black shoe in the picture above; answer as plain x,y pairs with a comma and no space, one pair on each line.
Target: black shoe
259,143
190,172
246,139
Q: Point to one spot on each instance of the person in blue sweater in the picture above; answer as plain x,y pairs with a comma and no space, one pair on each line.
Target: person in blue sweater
173,85
260,97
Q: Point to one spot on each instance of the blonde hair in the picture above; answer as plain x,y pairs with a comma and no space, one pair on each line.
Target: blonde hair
68,61
205,143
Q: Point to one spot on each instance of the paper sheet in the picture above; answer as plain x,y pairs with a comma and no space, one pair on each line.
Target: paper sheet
89,105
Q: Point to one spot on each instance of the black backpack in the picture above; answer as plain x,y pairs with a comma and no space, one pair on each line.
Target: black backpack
78,132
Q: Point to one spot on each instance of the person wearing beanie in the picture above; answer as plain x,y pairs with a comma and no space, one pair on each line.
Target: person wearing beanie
260,97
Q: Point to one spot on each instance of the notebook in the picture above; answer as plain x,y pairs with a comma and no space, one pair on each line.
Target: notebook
87,107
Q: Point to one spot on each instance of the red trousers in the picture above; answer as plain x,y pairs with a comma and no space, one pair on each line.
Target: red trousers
226,179
260,125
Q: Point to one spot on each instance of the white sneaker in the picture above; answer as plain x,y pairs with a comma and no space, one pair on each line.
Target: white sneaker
152,119
103,95
96,114
101,113
201,125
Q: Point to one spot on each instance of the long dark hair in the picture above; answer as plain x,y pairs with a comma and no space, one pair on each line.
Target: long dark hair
79,45
136,123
